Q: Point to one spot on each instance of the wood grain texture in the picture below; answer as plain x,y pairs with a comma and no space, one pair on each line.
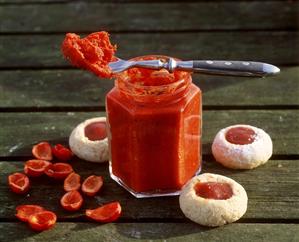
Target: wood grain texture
39,89
271,189
19,131
43,51
116,1
34,1
33,76
173,232
82,16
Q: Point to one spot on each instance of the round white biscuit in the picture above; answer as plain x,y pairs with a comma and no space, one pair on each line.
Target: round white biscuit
81,146
212,212
246,156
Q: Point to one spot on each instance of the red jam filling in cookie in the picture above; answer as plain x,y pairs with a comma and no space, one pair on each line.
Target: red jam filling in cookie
240,135
213,190
96,131
93,52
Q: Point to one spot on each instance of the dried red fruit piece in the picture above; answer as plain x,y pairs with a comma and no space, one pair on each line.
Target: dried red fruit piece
42,151
71,201
25,211
92,185
106,213
213,190
72,182
18,183
42,221
96,131
35,168
59,170
93,52
62,153
240,135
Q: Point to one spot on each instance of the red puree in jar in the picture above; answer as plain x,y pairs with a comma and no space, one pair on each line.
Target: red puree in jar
240,135
148,77
213,190
155,129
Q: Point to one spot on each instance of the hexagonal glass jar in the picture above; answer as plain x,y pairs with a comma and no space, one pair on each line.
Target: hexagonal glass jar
154,135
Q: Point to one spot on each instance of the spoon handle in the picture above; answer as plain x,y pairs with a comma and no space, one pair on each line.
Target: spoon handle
231,68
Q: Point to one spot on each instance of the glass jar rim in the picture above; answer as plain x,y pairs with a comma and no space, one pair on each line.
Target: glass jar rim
133,89
137,89
147,87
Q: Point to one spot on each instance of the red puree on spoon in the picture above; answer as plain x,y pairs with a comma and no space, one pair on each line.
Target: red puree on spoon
96,131
240,135
93,52
213,190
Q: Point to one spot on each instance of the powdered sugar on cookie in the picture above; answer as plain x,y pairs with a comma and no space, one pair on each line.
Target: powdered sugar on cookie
89,149
242,156
213,212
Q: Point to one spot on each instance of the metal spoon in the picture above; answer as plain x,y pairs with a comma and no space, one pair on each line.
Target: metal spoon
212,67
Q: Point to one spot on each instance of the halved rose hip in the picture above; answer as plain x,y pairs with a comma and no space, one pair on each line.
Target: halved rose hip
72,182
106,213
35,168
92,185
96,131
18,183
62,153
71,201
25,211
42,221
58,170
42,151
240,135
213,190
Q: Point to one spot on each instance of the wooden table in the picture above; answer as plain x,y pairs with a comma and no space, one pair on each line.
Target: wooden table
43,98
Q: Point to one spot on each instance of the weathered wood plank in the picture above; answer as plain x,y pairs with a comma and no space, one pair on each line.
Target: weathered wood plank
116,1
273,47
81,16
43,89
33,1
272,191
172,232
20,130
